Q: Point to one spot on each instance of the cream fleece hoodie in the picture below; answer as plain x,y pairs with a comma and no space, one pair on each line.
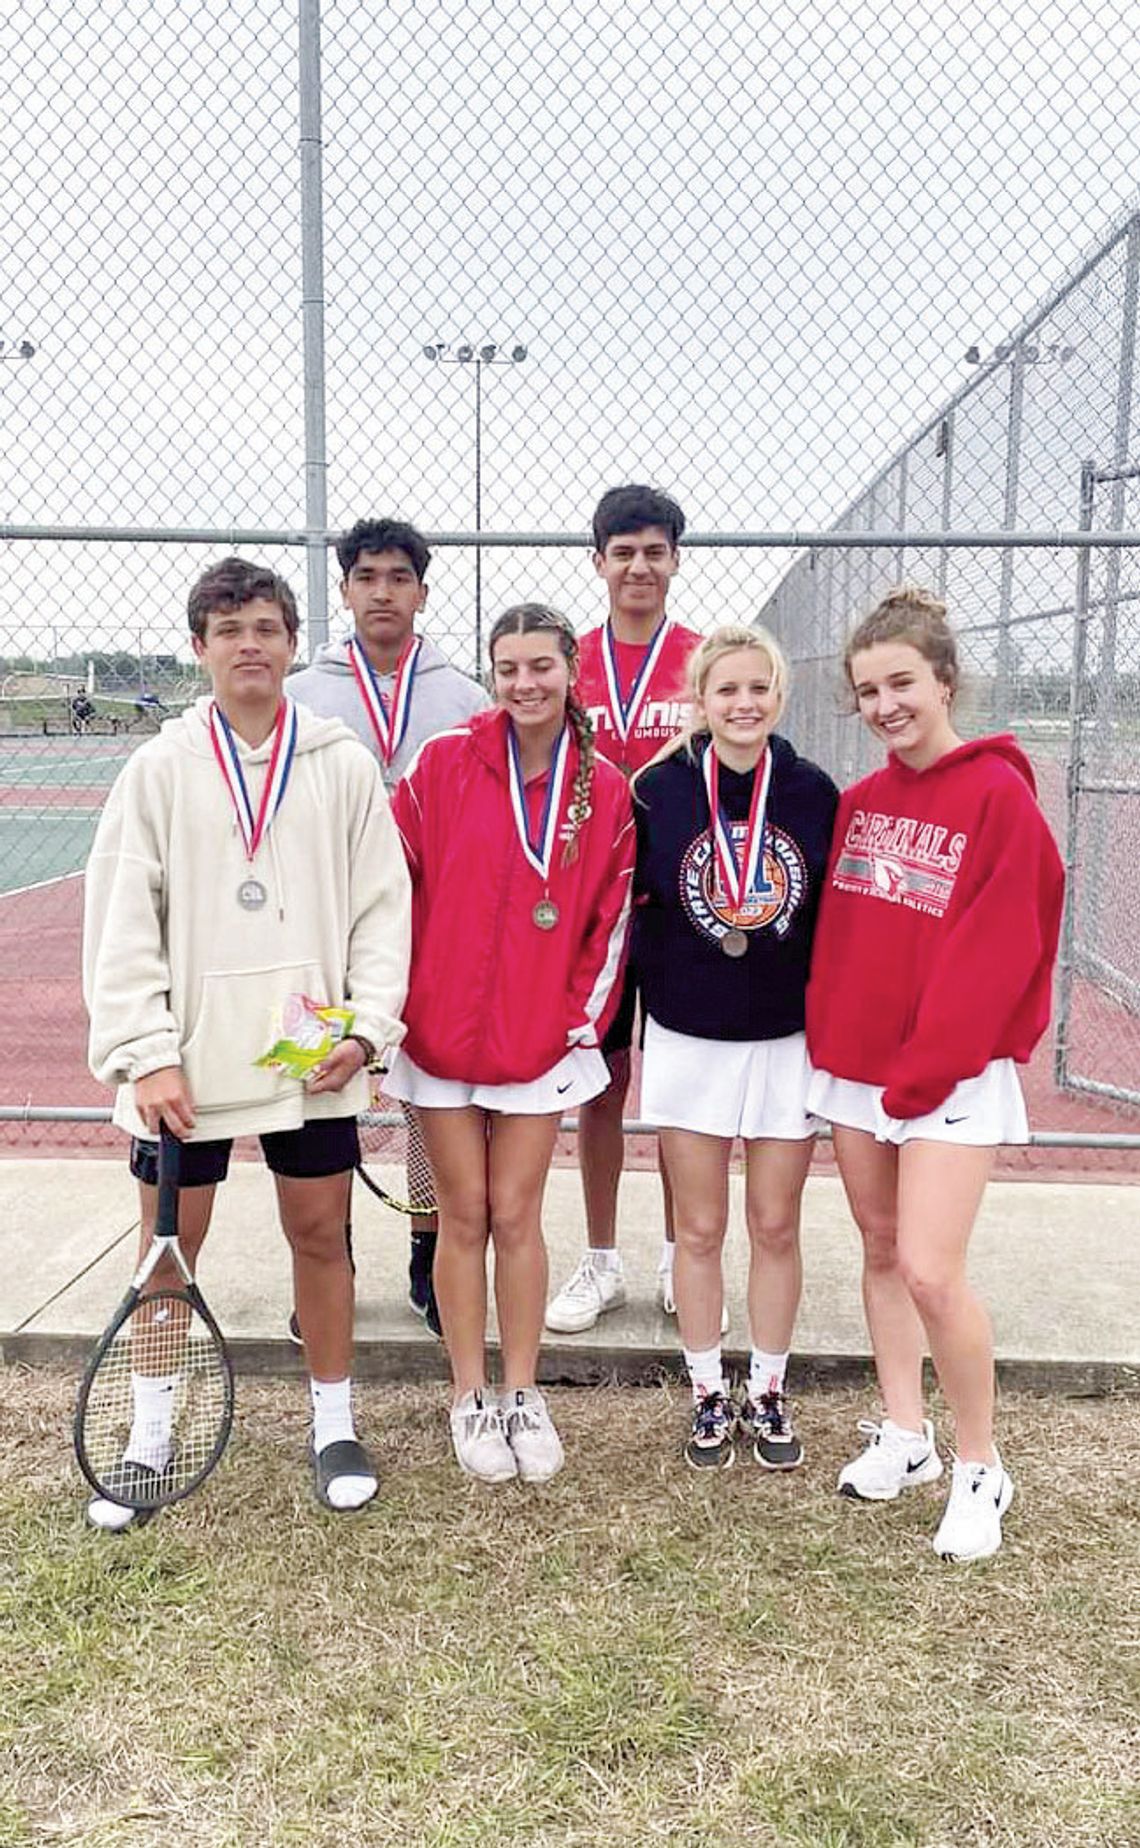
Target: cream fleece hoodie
175,972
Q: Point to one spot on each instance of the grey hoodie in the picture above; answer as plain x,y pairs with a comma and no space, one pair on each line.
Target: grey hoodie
442,697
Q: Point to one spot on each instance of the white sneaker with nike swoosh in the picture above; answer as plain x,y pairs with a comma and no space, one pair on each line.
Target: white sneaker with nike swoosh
980,1493
893,1460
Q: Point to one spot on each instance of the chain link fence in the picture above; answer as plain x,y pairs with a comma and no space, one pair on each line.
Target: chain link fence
269,268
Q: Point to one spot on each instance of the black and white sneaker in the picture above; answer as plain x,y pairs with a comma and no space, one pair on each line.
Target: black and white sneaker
768,1423
710,1441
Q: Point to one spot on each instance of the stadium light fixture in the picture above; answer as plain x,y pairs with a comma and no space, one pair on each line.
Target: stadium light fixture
489,354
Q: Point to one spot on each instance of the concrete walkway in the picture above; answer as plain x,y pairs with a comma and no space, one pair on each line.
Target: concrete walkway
1059,1267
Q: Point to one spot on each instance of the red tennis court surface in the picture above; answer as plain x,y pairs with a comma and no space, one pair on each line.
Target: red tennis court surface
45,1036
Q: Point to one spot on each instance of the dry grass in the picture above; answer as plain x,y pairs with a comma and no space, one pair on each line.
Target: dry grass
632,1656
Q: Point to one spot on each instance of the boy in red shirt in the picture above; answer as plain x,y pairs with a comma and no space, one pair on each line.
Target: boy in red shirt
631,680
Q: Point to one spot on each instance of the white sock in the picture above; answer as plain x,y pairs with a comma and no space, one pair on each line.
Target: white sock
604,1257
332,1424
705,1370
766,1373
152,1424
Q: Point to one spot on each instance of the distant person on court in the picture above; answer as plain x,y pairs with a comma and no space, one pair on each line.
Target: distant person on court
247,856
733,833
631,680
395,689
520,844
931,977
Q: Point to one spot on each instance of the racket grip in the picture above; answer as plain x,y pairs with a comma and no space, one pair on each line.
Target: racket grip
169,1164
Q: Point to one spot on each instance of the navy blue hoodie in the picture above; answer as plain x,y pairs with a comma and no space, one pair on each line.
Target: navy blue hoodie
688,983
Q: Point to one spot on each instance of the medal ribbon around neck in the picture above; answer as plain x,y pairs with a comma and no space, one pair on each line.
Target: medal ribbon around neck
625,713
538,851
389,726
737,878
253,828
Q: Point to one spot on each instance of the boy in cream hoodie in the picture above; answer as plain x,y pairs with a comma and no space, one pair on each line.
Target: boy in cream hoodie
245,856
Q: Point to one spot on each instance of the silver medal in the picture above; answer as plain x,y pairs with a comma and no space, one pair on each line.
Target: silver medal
251,895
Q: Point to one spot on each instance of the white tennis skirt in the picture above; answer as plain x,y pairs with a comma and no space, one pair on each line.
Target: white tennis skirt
579,1075
751,1088
980,1112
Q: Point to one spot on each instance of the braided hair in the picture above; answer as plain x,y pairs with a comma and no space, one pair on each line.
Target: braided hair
539,618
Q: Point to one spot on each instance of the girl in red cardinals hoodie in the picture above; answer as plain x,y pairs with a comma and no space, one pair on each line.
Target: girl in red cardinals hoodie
520,845
931,976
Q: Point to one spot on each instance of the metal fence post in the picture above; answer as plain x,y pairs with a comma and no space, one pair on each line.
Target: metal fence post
313,318
1003,677
1067,953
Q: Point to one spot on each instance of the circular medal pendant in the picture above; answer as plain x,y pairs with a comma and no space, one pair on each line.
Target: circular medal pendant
734,943
251,895
545,914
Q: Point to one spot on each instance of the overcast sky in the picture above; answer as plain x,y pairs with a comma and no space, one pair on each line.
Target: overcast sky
746,250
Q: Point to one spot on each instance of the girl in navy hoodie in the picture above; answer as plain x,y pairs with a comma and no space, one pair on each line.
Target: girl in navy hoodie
733,834
931,976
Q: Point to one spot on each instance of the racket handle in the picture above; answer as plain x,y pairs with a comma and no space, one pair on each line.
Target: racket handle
169,1162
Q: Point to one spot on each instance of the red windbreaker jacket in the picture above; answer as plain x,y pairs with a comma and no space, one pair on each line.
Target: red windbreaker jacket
493,999
938,926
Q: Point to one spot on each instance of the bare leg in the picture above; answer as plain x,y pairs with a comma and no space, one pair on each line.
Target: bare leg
518,1162
776,1172
195,1206
456,1142
698,1170
869,1170
940,1191
601,1153
313,1214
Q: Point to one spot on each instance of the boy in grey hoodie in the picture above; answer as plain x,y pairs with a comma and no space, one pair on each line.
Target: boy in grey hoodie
395,689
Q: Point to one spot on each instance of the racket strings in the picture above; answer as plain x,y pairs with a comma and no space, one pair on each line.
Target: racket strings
390,1141
159,1403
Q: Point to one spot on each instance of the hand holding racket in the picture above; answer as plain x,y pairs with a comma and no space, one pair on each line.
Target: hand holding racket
156,1401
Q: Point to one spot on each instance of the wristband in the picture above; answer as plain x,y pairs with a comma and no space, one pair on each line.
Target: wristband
371,1062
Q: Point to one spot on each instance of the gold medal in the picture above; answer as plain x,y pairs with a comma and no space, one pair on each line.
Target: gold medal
734,943
545,914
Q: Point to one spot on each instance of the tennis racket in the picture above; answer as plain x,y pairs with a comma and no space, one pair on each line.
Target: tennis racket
393,1161
156,1403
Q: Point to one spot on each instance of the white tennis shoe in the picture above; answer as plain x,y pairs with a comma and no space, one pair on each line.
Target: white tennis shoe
893,1460
971,1525
531,1435
585,1296
480,1439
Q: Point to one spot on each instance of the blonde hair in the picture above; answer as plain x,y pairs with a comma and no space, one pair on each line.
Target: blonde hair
909,613
730,638
540,619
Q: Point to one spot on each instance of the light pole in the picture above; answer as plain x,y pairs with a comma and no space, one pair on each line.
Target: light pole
440,354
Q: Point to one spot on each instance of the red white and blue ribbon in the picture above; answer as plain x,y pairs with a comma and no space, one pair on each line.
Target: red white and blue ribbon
538,848
254,827
626,712
736,877
389,724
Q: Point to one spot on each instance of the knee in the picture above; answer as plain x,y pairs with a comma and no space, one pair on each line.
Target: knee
934,1288
701,1238
463,1222
879,1232
514,1222
317,1237
776,1234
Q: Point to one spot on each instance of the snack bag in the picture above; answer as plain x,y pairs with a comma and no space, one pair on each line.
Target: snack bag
305,1033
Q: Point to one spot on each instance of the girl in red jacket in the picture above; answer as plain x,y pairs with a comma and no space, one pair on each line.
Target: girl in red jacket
520,845
931,977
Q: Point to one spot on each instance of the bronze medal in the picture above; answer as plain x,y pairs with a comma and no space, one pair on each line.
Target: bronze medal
734,943
545,914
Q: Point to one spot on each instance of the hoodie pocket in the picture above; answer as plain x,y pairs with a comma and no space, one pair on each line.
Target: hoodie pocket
238,1018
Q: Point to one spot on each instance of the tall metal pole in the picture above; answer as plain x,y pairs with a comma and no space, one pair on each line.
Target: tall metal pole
313,318
1003,680
478,516
1069,948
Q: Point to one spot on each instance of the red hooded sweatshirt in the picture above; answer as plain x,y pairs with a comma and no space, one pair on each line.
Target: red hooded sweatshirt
938,926
493,999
